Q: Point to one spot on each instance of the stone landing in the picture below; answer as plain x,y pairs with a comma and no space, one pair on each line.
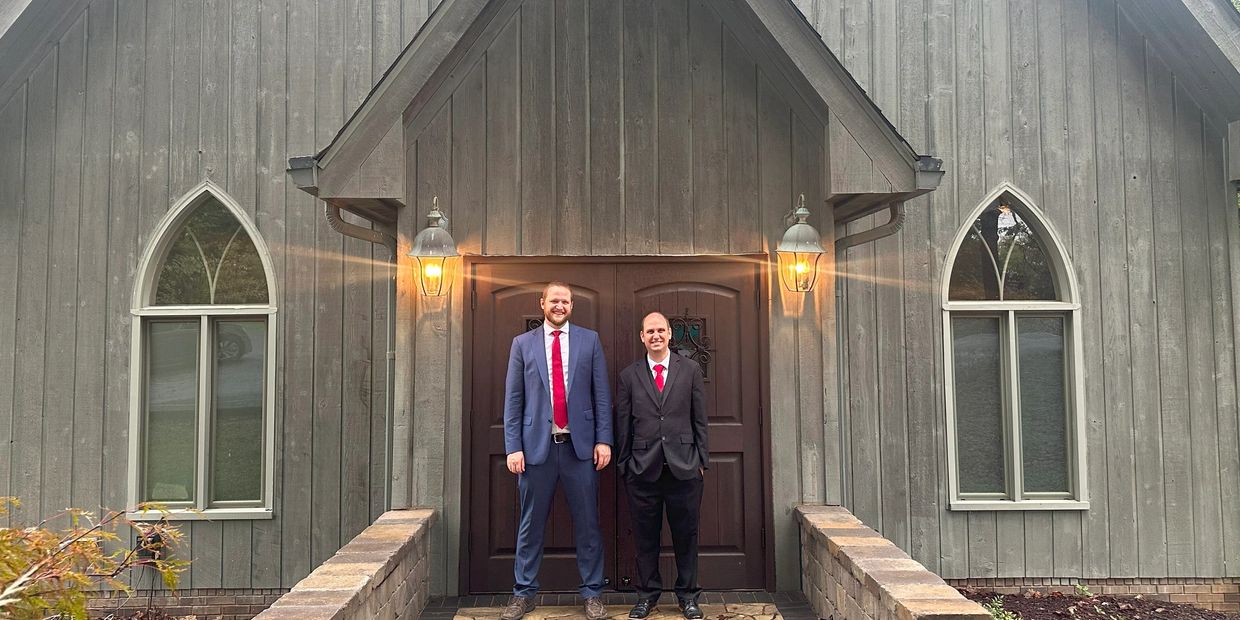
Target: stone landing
726,611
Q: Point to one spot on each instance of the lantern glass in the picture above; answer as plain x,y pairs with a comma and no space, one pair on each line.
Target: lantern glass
435,274
799,270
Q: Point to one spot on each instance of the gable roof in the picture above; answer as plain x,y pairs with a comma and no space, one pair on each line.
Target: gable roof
28,30
1200,42
347,170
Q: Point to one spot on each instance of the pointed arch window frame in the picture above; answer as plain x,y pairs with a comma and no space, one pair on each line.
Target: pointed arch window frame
143,309
1067,305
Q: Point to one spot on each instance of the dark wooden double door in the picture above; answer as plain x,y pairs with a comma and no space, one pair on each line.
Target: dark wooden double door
715,310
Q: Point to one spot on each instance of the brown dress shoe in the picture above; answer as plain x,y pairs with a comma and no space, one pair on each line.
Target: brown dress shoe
517,606
595,609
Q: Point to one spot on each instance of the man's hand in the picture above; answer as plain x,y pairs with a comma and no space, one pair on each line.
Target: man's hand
602,456
516,462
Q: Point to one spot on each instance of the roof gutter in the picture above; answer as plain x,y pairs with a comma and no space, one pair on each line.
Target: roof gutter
893,226
305,173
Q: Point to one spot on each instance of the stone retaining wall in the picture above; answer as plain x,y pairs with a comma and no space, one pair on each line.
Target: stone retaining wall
382,573
850,572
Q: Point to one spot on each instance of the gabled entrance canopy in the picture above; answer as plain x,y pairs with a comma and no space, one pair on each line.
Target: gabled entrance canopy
871,167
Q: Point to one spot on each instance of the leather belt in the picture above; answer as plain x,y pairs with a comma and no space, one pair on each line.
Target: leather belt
559,437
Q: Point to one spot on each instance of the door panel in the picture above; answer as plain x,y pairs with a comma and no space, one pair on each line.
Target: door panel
714,309
507,306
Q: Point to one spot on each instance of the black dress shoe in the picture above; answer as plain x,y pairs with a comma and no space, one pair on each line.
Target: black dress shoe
690,609
643,608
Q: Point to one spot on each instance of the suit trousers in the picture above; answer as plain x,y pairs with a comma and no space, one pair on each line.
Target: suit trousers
536,488
683,500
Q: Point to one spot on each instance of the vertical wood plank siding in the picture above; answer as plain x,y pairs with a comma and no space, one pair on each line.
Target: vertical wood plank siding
137,102
605,128
1070,102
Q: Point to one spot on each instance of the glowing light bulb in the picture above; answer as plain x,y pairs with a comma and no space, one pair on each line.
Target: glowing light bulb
801,267
433,271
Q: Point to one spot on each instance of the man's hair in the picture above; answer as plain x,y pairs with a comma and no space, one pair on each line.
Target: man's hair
563,285
641,328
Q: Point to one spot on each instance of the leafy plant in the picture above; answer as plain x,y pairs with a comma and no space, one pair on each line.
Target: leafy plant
48,572
997,611
1083,590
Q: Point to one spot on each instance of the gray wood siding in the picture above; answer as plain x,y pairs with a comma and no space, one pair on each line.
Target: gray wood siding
608,128
1069,101
648,127
136,103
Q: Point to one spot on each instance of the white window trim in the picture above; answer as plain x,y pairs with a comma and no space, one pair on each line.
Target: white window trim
141,307
1070,308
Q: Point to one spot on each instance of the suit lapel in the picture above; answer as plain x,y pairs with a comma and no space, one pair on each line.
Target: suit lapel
576,342
674,371
538,348
647,380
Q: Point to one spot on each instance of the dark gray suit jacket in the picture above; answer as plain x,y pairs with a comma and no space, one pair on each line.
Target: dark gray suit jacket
654,428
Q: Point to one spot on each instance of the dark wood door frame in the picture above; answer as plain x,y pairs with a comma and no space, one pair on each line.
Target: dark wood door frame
764,293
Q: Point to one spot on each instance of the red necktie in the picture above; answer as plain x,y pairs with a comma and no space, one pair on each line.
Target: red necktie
559,401
658,376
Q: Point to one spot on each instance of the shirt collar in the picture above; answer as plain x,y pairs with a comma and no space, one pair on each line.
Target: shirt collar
667,362
547,329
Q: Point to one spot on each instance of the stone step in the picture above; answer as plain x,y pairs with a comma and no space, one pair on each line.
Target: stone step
729,611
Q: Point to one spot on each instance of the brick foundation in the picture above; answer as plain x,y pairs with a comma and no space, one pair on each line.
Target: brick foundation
382,573
1215,594
213,603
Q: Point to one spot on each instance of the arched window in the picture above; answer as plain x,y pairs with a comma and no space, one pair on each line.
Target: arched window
202,374
1011,319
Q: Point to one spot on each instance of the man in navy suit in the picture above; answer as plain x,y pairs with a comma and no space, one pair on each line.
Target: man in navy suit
557,428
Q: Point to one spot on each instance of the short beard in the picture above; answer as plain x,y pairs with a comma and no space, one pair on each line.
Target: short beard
551,321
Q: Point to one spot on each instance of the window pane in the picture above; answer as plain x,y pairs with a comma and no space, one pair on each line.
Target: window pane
975,272
1002,258
977,354
1043,409
212,261
237,427
171,411
1026,270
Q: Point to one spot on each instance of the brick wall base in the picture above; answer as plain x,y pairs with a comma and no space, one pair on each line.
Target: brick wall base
1215,594
205,603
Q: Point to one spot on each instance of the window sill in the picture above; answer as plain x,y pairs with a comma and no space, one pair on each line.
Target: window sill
213,514
1044,504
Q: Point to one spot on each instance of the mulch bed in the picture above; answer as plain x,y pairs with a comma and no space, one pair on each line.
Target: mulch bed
1055,606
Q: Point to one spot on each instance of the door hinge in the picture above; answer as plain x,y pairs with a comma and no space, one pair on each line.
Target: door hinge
473,299
764,537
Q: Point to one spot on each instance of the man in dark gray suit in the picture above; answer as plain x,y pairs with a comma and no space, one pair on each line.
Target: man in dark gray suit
661,433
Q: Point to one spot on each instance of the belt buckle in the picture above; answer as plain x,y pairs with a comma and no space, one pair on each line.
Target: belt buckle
559,437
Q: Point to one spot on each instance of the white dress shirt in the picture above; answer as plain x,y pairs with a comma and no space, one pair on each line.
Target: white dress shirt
666,367
548,340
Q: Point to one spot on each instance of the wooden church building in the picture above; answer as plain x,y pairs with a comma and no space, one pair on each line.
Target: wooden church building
1016,356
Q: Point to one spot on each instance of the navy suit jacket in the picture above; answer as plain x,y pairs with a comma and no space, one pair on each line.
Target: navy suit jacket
527,397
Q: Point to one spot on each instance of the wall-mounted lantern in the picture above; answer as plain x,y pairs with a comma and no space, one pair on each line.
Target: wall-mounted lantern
435,253
799,252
